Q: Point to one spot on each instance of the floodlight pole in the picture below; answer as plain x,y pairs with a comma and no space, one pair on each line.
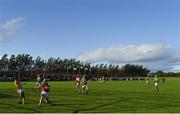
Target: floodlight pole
79,71
18,69
67,72
89,71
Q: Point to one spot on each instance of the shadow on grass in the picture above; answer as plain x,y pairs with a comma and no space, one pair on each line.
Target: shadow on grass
56,103
102,105
6,96
19,107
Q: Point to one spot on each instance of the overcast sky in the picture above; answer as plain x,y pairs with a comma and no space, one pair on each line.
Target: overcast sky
143,32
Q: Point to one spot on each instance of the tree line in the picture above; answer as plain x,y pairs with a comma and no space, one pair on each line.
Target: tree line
168,74
24,64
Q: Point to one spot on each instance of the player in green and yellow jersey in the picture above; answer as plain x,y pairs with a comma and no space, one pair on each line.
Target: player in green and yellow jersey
156,83
147,80
84,86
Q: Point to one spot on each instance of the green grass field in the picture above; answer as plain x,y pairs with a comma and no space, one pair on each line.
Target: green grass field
114,96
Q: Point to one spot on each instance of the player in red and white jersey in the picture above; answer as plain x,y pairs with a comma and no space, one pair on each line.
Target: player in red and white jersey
44,92
77,82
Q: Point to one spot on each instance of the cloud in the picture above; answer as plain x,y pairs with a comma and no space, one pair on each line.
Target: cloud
154,56
10,28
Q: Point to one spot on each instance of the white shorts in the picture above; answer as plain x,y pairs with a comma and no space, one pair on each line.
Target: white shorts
156,84
85,86
19,91
44,94
78,83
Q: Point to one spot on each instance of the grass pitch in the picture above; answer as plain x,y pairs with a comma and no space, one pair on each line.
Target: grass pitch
111,97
